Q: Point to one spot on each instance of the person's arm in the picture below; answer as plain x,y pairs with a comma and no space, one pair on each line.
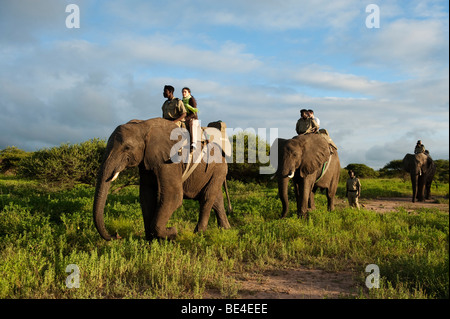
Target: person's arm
297,127
182,111
182,117
358,186
314,125
192,106
346,189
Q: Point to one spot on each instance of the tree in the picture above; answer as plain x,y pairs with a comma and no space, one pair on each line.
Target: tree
65,164
393,169
362,170
442,171
10,158
245,165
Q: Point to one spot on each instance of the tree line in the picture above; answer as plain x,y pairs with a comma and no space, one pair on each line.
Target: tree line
78,163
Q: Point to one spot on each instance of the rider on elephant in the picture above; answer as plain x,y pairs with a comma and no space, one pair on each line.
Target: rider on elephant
306,124
420,148
173,108
192,123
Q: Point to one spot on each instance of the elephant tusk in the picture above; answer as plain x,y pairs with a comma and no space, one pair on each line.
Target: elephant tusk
291,174
115,177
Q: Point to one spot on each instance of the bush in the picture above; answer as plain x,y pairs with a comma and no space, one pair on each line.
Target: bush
394,169
362,170
65,164
244,167
10,158
442,170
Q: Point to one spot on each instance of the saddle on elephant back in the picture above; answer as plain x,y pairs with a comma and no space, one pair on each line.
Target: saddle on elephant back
213,135
324,133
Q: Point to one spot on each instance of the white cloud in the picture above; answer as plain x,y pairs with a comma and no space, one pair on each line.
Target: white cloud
374,91
416,47
229,57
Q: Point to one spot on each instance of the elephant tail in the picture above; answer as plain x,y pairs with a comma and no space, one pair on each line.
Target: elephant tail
230,209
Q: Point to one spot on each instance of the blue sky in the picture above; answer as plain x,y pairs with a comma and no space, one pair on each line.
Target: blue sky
252,64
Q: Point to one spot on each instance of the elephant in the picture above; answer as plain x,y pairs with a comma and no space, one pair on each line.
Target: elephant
311,163
163,184
421,169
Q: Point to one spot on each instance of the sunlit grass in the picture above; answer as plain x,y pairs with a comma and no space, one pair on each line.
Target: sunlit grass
43,231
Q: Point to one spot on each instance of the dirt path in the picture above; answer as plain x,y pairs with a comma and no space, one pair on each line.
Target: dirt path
296,283
390,204
304,283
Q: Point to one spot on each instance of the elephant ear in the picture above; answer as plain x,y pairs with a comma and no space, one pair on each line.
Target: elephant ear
158,144
315,152
430,162
276,153
409,162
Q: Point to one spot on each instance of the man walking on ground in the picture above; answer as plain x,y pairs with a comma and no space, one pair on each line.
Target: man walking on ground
353,189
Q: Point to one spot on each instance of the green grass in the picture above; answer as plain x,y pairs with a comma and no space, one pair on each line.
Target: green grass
42,231
393,187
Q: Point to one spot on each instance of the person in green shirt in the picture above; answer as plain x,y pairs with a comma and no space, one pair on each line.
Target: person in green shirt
192,122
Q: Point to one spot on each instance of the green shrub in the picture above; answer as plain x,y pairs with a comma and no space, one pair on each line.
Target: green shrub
361,170
43,232
393,169
442,171
65,164
246,165
10,158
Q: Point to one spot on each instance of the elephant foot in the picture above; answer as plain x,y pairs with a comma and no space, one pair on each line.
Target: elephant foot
284,214
224,224
304,215
200,228
171,233
166,234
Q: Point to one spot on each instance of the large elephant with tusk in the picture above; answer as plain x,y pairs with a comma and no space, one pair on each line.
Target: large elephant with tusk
311,162
154,145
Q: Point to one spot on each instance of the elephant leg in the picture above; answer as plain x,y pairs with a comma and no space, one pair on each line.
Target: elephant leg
305,188
414,182
330,200
421,188
205,212
311,202
170,197
283,188
299,195
428,190
165,210
147,196
219,209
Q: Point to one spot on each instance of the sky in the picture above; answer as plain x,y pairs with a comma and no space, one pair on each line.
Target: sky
376,88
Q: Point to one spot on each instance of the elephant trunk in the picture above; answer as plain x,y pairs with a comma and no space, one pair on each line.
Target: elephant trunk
101,193
414,182
283,183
